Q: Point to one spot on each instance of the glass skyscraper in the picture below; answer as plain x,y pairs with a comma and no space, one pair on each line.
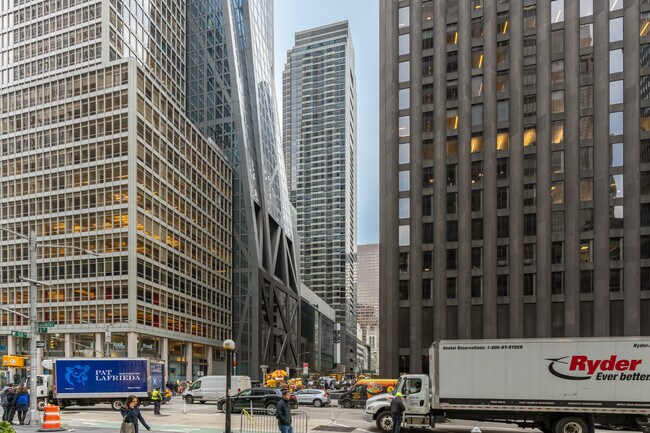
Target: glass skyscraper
231,98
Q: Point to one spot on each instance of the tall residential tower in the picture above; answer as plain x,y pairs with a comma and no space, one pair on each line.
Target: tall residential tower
515,172
319,125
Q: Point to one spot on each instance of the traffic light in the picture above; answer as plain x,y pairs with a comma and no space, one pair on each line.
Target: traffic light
52,344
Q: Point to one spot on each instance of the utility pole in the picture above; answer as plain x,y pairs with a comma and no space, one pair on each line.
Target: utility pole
32,328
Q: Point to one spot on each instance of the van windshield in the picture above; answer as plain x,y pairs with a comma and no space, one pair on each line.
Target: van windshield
196,385
398,386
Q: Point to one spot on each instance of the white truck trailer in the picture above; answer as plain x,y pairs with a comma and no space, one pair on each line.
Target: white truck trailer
556,385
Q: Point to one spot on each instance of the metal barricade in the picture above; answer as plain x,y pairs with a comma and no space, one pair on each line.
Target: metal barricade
264,421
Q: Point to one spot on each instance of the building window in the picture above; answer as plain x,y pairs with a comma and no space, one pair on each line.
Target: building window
502,54
557,102
615,249
557,283
615,61
530,165
452,90
557,132
404,44
477,58
586,159
404,71
403,16
477,28
616,217
587,128
502,197
404,236
452,34
616,280
477,200
404,180
586,67
645,279
645,23
557,72
477,287
587,35
477,114
476,143
477,229
530,17
477,86
427,261
530,195
477,171
502,285
503,229
586,220
502,23
557,41
427,150
403,263
586,189
586,251
557,161
645,119
530,108
404,99
557,192
645,214
529,284
427,205
502,255
586,8
451,203
586,282
452,231
452,260
530,136
557,253
404,126
404,153
427,288
451,288
477,258
616,92
530,225
530,76
617,155
557,11
427,39
502,168
503,110
616,185
451,174
403,290
452,147
529,254
404,207
427,177
452,119
586,98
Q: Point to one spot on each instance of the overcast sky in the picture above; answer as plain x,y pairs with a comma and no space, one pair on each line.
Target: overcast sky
292,16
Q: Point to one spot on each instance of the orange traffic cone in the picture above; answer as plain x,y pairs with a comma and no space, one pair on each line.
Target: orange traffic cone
51,419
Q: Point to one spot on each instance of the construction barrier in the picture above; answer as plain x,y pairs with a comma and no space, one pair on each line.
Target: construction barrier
264,421
51,419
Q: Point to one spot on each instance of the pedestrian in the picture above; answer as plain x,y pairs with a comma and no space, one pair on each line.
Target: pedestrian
156,397
283,413
21,404
396,410
3,402
11,407
131,415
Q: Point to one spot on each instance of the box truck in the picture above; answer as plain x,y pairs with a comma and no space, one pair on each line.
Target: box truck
556,385
89,381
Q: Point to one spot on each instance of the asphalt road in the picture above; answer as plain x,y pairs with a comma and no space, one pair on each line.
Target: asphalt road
178,417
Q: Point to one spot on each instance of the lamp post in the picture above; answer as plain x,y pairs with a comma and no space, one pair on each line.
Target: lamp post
229,345
31,239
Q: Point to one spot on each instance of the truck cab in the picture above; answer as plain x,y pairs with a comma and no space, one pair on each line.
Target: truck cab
416,392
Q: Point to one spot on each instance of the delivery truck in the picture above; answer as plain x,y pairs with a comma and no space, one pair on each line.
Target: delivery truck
89,381
363,390
555,385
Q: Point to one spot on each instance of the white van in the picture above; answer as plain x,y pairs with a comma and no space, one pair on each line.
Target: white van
212,388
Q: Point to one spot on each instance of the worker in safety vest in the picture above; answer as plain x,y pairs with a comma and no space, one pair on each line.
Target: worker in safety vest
156,397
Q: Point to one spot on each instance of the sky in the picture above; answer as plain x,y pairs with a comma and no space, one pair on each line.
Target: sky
292,16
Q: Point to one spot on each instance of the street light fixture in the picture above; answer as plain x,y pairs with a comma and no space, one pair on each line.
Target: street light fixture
229,345
33,281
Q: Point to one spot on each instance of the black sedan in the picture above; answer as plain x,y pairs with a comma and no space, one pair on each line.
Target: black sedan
257,398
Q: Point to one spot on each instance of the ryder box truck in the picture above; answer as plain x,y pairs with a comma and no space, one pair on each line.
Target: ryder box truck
556,385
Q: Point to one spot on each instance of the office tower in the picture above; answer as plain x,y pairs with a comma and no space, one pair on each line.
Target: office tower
319,126
368,298
515,176
231,99
96,153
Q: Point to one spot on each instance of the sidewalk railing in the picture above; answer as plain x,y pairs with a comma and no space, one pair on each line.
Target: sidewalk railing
264,421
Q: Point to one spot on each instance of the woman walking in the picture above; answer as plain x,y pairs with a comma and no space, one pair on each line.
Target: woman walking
21,403
131,415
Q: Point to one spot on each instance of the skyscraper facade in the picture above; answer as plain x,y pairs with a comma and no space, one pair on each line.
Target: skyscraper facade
368,299
231,99
515,183
319,126
97,154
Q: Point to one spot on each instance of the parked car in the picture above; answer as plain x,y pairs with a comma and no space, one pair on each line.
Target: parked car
317,397
257,398
213,388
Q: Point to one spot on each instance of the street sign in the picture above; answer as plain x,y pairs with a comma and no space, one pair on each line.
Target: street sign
40,344
305,368
13,361
42,330
46,324
108,336
19,334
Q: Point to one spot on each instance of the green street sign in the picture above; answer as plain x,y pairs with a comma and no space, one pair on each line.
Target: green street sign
19,334
46,324
42,330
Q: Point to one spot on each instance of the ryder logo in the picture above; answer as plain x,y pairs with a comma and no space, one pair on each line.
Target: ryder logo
580,367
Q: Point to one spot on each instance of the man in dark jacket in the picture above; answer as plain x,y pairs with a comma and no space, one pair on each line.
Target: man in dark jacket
283,413
396,410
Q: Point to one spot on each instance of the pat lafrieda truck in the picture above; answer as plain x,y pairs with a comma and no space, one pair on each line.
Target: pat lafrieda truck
556,385
89,381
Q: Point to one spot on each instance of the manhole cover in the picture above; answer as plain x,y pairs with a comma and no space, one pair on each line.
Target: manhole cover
335,428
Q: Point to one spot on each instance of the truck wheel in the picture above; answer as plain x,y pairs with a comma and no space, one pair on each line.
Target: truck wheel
346,404
189,399
385,422
117,405
571,424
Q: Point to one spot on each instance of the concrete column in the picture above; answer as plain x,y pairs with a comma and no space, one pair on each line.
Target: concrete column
164,354
210,362
99,345
544,205
132,345
67,345
188,360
